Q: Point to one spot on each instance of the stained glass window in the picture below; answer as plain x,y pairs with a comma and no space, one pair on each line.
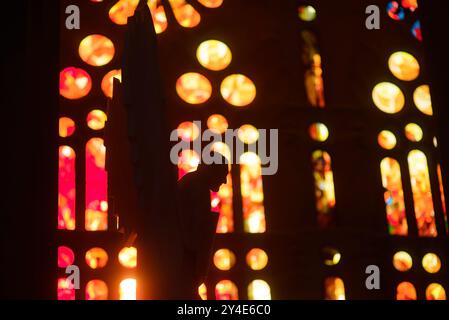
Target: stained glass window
66,188
334,288
324,187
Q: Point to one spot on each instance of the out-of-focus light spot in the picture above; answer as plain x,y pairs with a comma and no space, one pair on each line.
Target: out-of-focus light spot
307,13
331,256
202,291
435,292
217,123
66,257
248,134
188,131
334,289
66,290
96,119
388,97
66,127
214,55
386,139
324,187
402,261
96,290
413,132
128,288
185,14
193,88
318,131
188,161
257,259
123,9
411,5
158,14
128,257
405,291
431,263
107,82
403,66
96,50
224,259
211,3
226,290
422,99
259,290
66,188
395,11
238,90
96,258
74,83
416,30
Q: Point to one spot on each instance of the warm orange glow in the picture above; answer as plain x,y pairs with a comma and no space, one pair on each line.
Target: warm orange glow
394,197
435,292
96,258
214,55
96,50
185,14
413,132
107,82
66,188
402,261
66,127
211,3
74,83
431,263
123,9
66,291
187,162
388,97
128,257
238,90
158,15
248,134
96,290
386,139
405,291
422,194
422,99
257,259
128,288
307,13
202,291
188,131
324,187
403,66
252,193
224,259
217,123
318,132
193,88
334,289
96,119
226,290
259,290
65,256
96,215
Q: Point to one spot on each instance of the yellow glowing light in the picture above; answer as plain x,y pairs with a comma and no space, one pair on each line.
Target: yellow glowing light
226,290
66,127
202,291
128,289
307,13
128,257
188,131
403,66
96,50
107,82
386,139
224,259
96,119
223,149
185,14
214,55
217,123
74,83
431,263
248,134
435,292
405,291
123,9
188,161
211,3
318,131
388,97
257,259
193,88
96,258
402,261
96,290
67,152
413,132
422,99
334,289
238,90
331,256
259,290
158,15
